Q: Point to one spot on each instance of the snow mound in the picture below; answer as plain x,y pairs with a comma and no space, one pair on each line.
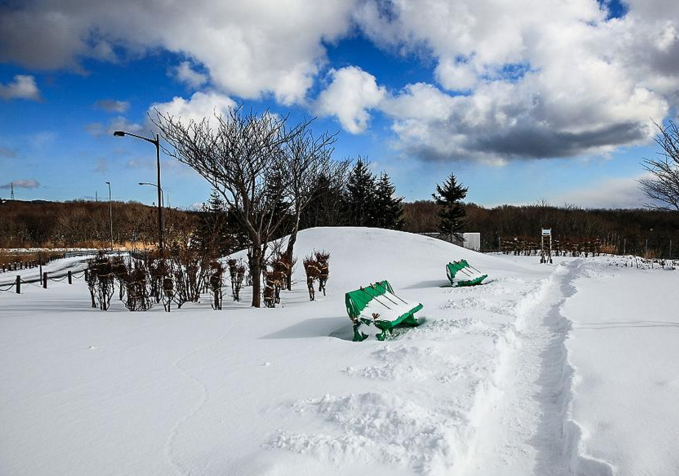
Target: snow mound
375,427
359,256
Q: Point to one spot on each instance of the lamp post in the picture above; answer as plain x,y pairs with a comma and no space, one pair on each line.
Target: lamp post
155,142
162,197
110,212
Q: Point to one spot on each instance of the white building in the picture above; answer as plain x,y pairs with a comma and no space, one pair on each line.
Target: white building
472,241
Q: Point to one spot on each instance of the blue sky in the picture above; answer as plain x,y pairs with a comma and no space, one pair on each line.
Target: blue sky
421,88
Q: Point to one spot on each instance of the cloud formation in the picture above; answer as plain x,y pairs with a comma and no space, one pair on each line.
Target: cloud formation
541,79
610,193
511,80
110,105
248,48
26,183
196,108
22,87
186,74
349,96
118,123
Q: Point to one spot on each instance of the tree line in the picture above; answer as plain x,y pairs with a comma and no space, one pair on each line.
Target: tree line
631,231
85,224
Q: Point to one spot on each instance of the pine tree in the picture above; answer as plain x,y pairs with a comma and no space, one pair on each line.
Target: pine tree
451,212
212,236
388,207
327,206
360,195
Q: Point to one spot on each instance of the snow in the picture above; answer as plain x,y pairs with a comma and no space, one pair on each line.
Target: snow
560,369
623,345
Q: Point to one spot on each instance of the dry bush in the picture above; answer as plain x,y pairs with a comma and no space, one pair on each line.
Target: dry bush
322,260
138,287
313,273
100,281
237,275
216,280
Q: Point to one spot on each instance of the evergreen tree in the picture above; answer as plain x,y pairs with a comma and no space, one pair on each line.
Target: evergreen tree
360,195
388,207
212,235
451,212
327,206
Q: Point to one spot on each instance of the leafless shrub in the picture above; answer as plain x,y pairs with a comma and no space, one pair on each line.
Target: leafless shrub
189,272
120,273
168,292
101,282
216,275
237,274
313,273
275,278
322,260
138,287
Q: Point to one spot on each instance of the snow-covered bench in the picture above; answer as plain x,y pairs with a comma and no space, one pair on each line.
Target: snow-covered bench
465,273
376,310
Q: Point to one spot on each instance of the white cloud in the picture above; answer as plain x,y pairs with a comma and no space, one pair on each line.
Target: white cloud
22,87
187,75
455,75
548,78
198,107
609,193
118,123
247,48
544,79
349,96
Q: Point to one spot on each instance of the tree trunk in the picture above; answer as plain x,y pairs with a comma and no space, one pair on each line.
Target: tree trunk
256,273
288,252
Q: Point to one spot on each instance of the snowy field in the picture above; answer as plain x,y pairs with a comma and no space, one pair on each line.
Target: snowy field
563,369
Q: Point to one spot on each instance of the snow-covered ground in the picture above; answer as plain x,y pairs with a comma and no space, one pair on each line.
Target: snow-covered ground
564,369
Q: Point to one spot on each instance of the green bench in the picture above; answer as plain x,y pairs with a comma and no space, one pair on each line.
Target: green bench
376,310
461,273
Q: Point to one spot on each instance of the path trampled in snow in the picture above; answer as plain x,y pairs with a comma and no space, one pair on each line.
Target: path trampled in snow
527,431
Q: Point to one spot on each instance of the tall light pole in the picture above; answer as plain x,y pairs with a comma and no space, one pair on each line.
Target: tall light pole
155,142
110,212
162,197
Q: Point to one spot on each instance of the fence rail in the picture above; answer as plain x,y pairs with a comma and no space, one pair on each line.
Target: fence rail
42,281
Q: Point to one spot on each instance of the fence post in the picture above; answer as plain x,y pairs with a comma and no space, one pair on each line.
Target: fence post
70,278
18,284
44,280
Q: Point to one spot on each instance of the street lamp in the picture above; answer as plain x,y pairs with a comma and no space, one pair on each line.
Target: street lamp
155,142
162,196
110,212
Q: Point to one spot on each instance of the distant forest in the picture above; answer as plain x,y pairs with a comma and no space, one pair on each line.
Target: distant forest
86,224
617,231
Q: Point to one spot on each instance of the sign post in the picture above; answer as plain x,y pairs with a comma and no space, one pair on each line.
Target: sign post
546,256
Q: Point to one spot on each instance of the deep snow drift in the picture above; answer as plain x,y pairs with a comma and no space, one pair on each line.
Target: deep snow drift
500,380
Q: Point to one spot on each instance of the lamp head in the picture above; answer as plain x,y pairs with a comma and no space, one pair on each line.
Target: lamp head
119,134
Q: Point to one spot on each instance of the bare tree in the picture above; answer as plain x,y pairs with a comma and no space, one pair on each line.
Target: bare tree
242,157
663,185
307,159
